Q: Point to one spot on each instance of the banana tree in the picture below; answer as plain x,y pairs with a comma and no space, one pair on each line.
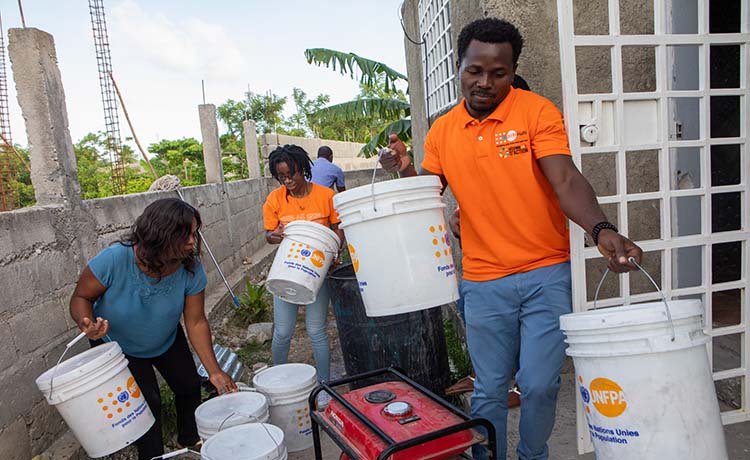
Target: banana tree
384,107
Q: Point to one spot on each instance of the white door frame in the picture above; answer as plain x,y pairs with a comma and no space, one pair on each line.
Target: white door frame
661,40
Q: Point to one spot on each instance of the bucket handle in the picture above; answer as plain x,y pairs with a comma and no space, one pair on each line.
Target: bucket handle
68,347
252,418
643,270
255,390
372,182
175,453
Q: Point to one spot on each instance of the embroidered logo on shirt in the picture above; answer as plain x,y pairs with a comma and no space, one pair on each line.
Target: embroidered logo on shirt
506,152
511,143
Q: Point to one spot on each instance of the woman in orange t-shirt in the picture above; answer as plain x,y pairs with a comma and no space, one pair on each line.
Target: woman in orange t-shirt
299,199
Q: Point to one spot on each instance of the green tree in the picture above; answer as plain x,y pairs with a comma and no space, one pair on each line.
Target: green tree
21,182
95,168
182,158
380,103
302,123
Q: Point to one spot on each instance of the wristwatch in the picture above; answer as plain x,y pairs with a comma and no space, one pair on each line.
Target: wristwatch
599,227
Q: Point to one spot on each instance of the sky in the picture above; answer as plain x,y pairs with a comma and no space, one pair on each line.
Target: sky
162,49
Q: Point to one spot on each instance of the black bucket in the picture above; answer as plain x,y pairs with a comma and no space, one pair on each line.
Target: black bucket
413,342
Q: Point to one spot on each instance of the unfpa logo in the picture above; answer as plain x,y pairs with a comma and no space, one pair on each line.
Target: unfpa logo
353,255
318,258
119,400
607,397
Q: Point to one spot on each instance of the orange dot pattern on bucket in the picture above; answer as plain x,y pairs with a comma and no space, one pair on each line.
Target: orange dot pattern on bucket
302,418
115,400
440,241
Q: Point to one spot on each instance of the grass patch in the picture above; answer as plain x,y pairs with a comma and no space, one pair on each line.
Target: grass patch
252,353
458,355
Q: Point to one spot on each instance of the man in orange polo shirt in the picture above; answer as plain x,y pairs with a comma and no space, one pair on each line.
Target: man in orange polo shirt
504,153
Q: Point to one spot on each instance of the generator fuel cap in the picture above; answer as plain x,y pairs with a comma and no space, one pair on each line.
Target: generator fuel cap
397,409
379,396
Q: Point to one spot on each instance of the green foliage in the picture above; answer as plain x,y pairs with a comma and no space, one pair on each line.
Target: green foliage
458,355
95,168
168,415
22,180
352,64
267,110
380,106
254,306
364,108
182,158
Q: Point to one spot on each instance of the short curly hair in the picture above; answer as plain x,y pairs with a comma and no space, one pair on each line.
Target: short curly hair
490,30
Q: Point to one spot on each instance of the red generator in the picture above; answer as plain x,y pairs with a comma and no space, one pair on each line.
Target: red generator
397,420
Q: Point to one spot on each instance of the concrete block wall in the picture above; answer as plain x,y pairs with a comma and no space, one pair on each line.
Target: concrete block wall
45,248
345,154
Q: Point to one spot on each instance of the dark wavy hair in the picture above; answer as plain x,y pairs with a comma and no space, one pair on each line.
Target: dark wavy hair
490,30
294,156
160,232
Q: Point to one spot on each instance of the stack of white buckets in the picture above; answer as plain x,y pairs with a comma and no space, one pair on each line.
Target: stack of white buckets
234,425
98,398
235,422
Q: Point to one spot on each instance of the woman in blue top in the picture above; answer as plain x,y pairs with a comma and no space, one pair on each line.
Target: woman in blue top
135,292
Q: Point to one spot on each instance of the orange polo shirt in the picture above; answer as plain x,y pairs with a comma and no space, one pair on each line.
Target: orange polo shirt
511,220
280,207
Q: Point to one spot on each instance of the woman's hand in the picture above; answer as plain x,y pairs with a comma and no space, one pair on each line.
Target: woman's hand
222,382
94,330
276,236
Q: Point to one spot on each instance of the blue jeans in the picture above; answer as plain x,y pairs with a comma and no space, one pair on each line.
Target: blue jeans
516,320
284,321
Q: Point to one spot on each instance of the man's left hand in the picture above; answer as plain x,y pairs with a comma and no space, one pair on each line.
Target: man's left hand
617,250
222,382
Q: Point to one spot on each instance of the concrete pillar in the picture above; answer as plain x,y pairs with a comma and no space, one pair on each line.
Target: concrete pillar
268,143
415,74
54,173
251,149
211,146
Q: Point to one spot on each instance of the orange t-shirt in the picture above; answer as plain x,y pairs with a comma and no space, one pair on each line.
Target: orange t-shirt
280,207
511,220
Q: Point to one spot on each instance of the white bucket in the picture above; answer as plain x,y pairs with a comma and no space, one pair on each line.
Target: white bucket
399,244
99,400
646,396
229,410
302,261
252,441
288,386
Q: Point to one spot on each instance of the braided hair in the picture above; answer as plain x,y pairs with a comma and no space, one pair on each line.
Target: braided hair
294,156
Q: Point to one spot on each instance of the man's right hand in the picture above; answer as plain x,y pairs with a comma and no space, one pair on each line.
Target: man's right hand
394,158
94,330
455,223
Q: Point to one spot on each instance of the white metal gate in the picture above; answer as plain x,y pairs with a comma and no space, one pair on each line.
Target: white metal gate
656,106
